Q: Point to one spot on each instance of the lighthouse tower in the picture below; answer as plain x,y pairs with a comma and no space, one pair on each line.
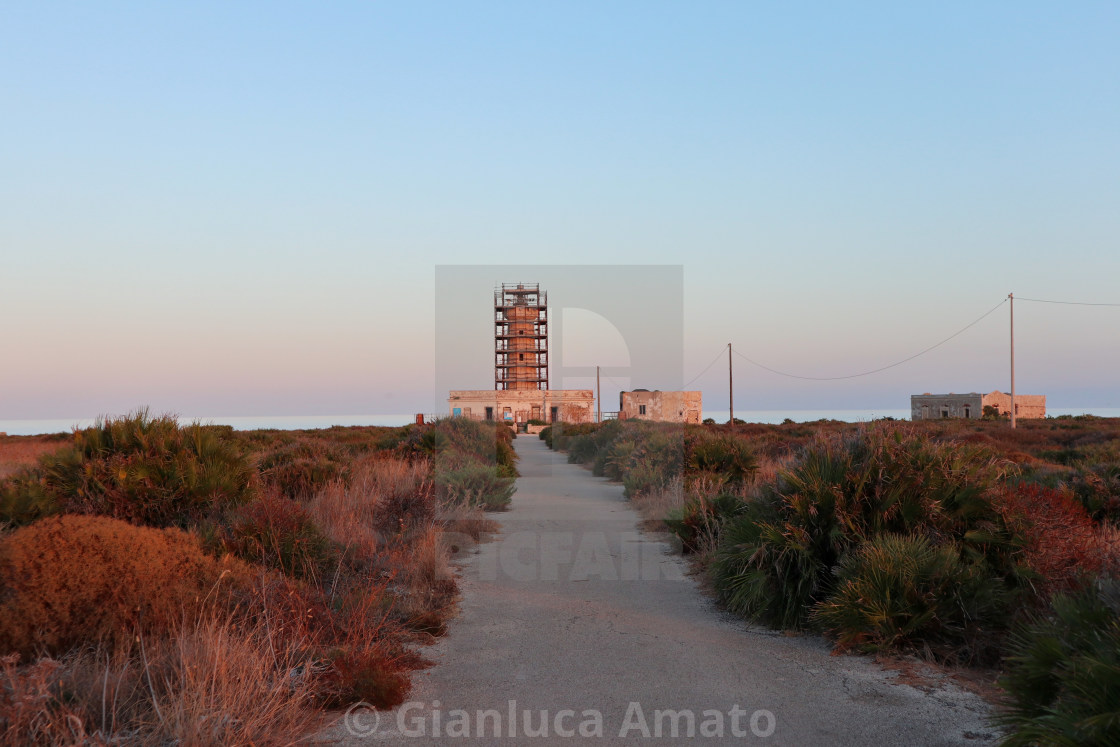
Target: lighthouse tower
520,337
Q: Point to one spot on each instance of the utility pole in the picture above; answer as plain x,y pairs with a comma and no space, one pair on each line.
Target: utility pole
730,389
598,398
1011,297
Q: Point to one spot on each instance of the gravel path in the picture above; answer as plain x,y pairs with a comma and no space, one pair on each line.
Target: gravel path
575,624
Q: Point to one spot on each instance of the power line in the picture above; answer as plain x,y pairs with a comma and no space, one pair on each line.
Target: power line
1065,303
876,370
697,376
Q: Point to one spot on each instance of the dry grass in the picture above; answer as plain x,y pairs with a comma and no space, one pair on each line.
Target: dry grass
655,505
218,682
17,452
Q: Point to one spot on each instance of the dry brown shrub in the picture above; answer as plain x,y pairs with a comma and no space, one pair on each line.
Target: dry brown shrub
215,682
1061,542
17,452
72,580
655,505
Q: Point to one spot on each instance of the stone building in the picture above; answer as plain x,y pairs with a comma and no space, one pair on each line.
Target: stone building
520,406
521,367
933,406
668,407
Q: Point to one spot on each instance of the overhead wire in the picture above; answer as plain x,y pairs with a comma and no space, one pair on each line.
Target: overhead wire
960,331
1065,303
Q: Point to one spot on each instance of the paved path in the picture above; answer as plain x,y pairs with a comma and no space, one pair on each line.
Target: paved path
574,612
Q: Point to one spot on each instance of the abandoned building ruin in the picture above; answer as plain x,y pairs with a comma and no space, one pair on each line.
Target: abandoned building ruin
666,407
934,406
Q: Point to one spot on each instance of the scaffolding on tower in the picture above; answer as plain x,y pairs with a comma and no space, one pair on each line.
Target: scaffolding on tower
520,337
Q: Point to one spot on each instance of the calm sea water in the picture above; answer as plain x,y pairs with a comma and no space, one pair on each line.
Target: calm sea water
292,422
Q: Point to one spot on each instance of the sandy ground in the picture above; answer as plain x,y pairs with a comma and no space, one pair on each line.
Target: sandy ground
576,626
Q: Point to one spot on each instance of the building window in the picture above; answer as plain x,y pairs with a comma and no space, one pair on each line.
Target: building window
641,409
967,411
489,413
554,414
944,412
520,356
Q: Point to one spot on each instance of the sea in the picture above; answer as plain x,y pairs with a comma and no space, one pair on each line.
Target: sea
301,422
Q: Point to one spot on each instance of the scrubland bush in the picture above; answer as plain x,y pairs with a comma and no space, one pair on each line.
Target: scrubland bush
137,468
776,559
71,580
898,592
729,457
1063,672
699,523
279,533
474,485
335,571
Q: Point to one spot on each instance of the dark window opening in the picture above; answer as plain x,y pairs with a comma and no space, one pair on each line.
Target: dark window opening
554,414
489,413
641,409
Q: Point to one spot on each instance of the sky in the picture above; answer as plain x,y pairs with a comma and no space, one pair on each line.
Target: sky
242,208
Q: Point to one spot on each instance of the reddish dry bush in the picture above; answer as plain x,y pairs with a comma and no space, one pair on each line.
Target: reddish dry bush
72,580
1061,543
17,452
281,534
368,675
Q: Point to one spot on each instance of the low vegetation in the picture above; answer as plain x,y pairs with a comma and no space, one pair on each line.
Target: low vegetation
195,585
963,542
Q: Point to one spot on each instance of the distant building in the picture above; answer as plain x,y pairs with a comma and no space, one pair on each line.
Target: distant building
667,407
935,406
521,392
521,406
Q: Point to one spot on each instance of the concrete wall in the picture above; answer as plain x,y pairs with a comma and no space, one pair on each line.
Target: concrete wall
521,406
971,405
666,407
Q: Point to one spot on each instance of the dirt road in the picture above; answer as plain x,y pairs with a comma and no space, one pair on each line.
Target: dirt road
576,624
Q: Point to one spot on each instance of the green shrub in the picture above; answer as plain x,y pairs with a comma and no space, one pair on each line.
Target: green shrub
898,592
475,485
1098,489
581,449
24,498
140,469
1063,673
699,523
76,580
727,456
775,562
298,469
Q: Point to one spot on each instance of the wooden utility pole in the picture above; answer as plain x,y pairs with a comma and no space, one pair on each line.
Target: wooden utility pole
1011,297
598,398
730,389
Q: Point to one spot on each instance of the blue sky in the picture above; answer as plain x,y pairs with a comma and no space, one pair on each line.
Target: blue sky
238,208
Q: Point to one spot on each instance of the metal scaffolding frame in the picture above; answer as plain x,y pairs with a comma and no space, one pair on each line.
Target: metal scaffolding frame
520,337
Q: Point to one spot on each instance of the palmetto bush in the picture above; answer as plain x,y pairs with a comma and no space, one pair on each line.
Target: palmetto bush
699,522
144,470
902,592
776,560
727,456
1063,672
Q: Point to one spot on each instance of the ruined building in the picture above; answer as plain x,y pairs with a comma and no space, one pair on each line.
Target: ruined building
667,407
933,406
